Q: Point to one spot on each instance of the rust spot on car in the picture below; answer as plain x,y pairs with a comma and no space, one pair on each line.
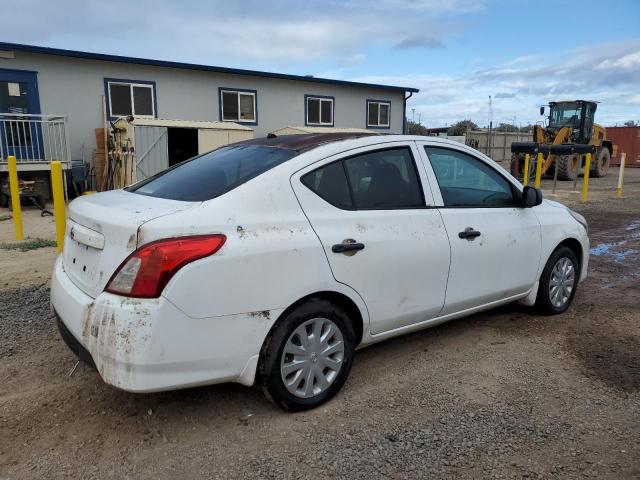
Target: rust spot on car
266,314
361,228
241,232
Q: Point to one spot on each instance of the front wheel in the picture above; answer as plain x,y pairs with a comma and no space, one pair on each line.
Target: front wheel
308,357
602,160
558,282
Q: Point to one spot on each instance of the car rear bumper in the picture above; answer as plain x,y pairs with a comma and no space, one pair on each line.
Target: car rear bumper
146,345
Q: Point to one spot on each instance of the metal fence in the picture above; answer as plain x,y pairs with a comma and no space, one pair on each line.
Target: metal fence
34,138
498,145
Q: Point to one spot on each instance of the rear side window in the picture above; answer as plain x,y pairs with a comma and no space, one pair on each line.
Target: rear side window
212,174
466,181
330,183
380,180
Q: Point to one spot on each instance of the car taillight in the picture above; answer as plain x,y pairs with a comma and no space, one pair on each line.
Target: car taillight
146,272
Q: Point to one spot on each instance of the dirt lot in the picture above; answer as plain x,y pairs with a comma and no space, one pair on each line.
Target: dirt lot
503,394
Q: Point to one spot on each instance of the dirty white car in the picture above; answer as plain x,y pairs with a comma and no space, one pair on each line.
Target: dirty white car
270,261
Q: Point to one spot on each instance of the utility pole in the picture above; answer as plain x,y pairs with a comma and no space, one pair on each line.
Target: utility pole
413,115
490,128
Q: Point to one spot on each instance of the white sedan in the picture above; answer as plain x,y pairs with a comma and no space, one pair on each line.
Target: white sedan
270,261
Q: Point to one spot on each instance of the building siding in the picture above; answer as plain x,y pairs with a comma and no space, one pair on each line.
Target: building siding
74,87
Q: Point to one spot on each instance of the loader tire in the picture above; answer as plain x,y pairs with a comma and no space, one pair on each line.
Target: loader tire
601,164
568,166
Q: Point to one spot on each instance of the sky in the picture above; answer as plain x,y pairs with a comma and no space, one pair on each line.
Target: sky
522,53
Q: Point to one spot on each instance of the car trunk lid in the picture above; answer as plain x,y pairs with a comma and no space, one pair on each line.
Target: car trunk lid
102,230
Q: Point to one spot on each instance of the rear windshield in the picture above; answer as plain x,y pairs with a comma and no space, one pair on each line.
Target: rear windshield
212,174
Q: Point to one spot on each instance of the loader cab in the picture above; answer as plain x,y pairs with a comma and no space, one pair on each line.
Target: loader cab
578,115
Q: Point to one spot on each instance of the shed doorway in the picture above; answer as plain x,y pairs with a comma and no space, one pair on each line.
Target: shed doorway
182,144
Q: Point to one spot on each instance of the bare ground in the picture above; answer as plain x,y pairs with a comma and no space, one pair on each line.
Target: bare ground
502,394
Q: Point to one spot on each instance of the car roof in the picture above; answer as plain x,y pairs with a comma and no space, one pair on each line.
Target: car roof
304,142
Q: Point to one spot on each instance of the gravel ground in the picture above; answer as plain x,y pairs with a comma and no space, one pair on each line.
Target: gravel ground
502,394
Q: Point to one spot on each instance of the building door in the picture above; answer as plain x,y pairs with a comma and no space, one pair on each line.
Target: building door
20,131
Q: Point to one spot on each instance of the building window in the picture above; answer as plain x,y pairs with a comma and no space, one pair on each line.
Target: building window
319,110
378,114
238,106
131,97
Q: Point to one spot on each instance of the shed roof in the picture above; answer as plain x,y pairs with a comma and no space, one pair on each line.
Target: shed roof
165,122
190,66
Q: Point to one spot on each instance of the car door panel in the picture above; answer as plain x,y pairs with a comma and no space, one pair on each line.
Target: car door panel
401,272
502,261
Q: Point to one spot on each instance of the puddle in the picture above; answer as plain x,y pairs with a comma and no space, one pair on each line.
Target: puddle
633,226
604,248
619,256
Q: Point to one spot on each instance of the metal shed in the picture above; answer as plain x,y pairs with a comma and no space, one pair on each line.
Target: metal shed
161,143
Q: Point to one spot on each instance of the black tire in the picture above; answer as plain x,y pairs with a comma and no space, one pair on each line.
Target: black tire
269,372
568,166
544,303
601,164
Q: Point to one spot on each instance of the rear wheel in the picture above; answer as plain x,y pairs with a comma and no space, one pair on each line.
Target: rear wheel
307,358
558,282
602,160
568,166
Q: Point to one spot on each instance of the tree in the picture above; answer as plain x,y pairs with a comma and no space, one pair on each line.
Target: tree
631,123
506,127
461,127
414,128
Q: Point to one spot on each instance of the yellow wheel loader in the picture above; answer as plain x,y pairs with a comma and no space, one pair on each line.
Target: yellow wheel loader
570,123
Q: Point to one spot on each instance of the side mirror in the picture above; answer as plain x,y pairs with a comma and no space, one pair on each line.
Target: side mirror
531,197
541,110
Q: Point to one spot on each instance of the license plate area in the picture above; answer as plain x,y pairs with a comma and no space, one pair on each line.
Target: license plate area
82,263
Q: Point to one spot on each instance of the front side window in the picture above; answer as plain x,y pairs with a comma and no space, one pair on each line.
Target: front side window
380,180
378,114
130,98
238,106
213,174
466,181
319,110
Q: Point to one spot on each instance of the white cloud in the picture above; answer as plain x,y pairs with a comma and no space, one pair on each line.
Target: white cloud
222,32
518,92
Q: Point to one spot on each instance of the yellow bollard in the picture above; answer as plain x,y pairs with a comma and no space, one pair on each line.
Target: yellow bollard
526,169
15,197
585,181
623,158
58,203
538,171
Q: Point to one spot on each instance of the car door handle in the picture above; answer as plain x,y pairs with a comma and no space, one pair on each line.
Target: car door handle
469,233
348,245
